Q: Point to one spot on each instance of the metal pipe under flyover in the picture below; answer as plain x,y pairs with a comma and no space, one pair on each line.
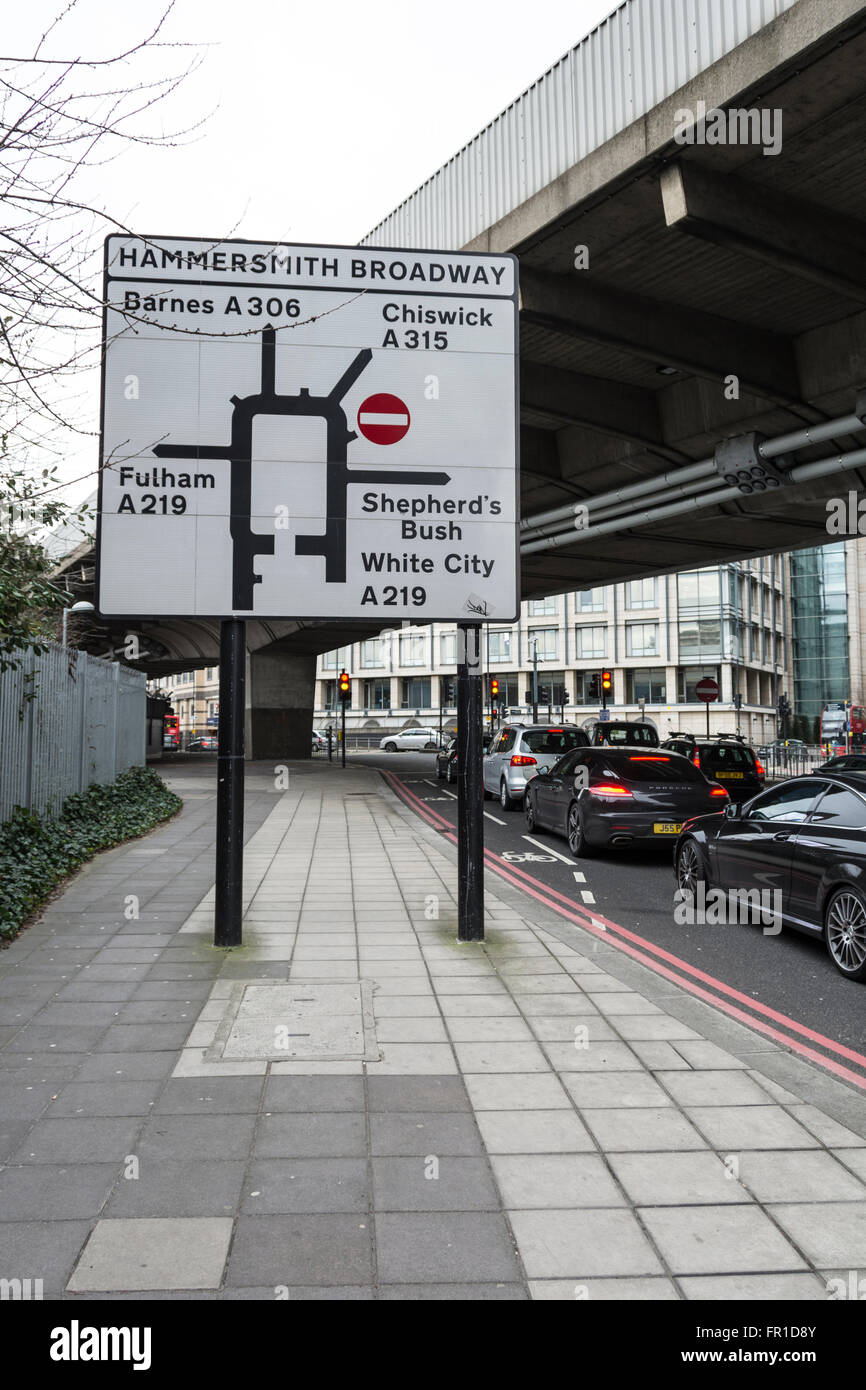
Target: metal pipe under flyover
704,469
470,824
228,911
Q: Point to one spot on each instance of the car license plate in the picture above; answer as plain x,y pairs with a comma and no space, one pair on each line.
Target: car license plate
730,776
664,827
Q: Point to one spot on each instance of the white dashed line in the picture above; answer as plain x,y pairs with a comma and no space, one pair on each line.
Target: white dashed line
587,896
579,877
495,819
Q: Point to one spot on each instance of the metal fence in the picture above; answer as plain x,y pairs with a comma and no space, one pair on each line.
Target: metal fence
66,720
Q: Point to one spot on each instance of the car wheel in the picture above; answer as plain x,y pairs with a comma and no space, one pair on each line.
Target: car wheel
429,747
450,773
689,868
390,748
529,812
506,800
439,773
575,833
845,932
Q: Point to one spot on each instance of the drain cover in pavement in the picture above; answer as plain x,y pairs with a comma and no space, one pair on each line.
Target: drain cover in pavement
271,1021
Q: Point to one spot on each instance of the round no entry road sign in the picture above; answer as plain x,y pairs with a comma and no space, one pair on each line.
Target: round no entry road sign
383,419
707,689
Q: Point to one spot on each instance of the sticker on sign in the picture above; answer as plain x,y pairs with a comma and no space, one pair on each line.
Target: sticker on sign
307,432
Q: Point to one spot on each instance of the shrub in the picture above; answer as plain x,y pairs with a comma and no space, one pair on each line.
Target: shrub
37,852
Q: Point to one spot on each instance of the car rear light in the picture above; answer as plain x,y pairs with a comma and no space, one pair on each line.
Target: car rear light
718,791
646,758
609,789
520,760
696,758
760,771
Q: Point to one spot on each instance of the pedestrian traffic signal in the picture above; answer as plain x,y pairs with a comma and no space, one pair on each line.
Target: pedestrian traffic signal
606,681
593,692
344,685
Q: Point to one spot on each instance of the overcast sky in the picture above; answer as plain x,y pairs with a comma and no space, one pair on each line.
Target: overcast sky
321,117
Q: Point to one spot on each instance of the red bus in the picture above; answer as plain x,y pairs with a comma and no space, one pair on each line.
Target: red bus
843,725
171,731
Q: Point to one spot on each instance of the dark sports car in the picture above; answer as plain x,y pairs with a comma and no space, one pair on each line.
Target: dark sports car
804,841
598,797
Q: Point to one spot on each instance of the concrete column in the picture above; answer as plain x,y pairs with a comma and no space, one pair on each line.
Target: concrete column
281,689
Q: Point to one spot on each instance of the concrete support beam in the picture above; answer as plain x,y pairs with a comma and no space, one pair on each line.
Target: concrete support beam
696,342
280,699
788,233
608,406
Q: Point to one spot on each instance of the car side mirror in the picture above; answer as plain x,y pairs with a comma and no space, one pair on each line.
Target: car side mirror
731,811
543,772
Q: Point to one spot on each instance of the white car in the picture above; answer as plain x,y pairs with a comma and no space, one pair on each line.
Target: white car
411,740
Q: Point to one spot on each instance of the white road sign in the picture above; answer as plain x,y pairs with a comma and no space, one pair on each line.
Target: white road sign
307,432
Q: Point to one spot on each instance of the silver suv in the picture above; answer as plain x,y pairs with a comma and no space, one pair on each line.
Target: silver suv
407,740
518,751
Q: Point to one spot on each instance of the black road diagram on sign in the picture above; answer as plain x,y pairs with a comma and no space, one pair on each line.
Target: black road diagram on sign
247,543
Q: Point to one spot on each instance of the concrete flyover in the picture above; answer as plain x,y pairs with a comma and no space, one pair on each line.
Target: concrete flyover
693,304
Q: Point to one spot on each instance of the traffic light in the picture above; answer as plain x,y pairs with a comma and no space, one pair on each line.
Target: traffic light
494,689
344,685
784,706
606,687
593,691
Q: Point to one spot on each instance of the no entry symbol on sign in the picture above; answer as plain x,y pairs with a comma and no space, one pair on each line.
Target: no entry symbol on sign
383,418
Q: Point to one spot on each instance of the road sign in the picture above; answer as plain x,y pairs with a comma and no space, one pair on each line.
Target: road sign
707,689
604,716
383,419
307,432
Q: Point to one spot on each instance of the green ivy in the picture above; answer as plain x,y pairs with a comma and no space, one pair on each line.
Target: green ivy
37,853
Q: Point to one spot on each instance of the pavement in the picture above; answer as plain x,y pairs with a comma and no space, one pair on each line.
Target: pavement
354,1105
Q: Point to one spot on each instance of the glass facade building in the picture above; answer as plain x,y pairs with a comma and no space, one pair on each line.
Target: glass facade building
819,628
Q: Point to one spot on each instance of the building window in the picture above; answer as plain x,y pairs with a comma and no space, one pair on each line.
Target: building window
700,637
546,639
330,660
329,694
373,652
541,607
448,649
590,600
499,646
377,694
413,649
641,639
646,685
687,679
641,593
415,692
698,589
209,674
590,641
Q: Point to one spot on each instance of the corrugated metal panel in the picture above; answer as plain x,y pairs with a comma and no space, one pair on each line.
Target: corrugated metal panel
641,54
66,719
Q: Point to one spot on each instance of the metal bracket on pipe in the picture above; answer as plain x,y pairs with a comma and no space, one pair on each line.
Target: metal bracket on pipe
738,461
860,407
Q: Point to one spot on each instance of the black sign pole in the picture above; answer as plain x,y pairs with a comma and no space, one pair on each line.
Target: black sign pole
343,733
228,913
470,826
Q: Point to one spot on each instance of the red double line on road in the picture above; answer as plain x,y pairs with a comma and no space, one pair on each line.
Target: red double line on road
621,939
